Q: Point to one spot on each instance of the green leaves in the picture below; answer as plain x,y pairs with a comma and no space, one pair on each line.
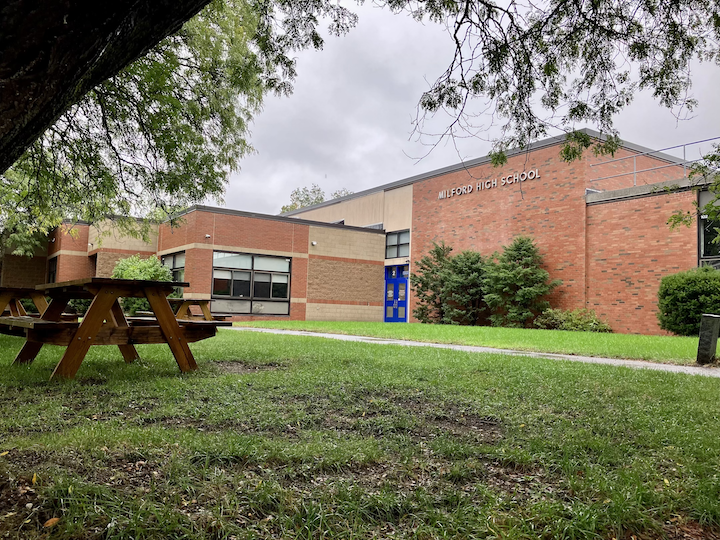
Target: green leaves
583,62
685,296
165,132
136,267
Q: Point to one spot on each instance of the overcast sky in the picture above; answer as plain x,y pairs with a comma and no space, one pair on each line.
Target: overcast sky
348,123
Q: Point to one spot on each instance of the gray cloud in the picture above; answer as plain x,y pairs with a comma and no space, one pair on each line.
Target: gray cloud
349,121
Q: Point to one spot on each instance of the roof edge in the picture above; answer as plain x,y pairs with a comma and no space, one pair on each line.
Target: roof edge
551,141
646,190
284,219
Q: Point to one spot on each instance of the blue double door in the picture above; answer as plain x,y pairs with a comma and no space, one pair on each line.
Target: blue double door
396,286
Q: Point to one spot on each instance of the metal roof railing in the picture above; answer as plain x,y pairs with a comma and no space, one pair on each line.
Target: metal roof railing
675,161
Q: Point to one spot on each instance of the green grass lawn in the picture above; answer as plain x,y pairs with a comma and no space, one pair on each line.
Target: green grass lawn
296,437
668,349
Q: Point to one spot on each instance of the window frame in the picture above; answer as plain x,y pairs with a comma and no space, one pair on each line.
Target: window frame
252,298
52,269
173,268
398,244
704,197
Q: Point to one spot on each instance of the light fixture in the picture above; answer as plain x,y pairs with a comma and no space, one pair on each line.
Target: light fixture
313,243
207,236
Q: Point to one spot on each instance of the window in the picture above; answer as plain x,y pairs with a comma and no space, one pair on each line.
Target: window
176,263
708,232
52,270
245,283
397,244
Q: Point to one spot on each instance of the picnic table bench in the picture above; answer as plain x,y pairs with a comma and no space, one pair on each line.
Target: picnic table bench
106,324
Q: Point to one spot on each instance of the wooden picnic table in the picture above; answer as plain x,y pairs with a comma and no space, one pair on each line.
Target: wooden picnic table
181,307
10,299
105,323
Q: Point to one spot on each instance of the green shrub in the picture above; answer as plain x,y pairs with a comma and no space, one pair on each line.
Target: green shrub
429,282
579,320
78,306
685,296
465,289
516,283
143,269
28,305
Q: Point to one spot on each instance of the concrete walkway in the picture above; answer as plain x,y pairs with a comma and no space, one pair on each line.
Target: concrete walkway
637,364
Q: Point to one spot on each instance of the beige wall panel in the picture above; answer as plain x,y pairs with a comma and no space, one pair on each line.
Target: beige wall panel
359,212
398,209
338,312
332,242
107,236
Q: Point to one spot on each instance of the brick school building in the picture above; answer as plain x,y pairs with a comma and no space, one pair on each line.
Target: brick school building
600,224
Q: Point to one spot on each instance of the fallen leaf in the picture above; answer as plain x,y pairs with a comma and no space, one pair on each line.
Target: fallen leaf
34,480
5,453
667,482
51,522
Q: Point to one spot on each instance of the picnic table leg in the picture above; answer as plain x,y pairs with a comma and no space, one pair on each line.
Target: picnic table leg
4,301
206,310
182,312
86,333
118,318
171,329
30,350
40,302
16,308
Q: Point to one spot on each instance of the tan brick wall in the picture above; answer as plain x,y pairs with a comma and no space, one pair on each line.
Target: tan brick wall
345,282
335,242
340,312
19,271
106,261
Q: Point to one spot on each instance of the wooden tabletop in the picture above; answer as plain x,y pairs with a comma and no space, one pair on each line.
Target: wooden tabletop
18,291
99,281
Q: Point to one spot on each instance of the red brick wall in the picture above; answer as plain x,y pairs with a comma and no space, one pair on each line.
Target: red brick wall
74,267
72,261
69,238
232,230
198,270
550,209
629,249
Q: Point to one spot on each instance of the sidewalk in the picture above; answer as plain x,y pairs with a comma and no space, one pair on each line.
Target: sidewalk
636,364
